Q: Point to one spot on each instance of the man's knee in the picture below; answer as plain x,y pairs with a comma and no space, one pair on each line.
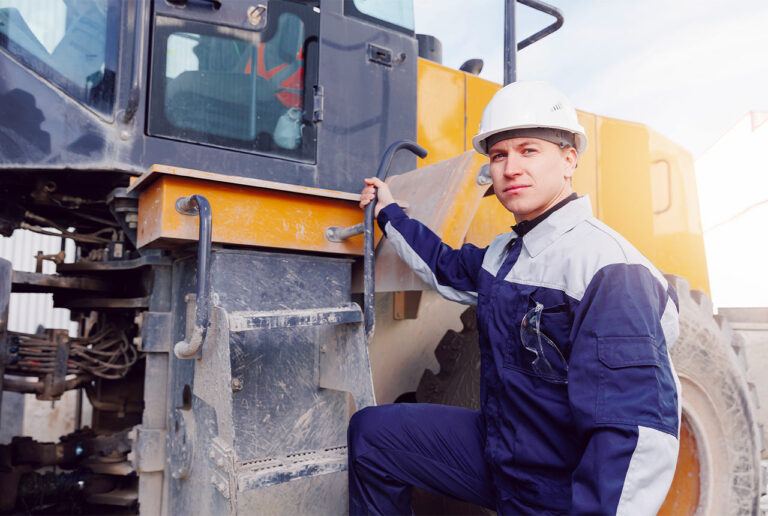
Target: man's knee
364,425
378,427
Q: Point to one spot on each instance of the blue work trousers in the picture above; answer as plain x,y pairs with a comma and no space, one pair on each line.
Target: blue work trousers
435,447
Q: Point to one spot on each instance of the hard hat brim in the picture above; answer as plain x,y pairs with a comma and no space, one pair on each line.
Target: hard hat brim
479,140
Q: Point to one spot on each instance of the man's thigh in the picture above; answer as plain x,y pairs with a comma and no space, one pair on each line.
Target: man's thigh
435,447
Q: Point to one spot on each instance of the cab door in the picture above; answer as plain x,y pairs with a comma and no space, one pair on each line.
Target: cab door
231,88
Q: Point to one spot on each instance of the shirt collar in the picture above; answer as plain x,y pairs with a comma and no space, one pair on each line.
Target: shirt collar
556,225
525,226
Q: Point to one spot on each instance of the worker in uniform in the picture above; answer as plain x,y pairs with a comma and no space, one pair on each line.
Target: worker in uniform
580,403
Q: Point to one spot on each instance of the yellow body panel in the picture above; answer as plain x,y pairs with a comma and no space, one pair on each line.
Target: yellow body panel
585,180
623,170
677,221
479,92
624,195
245,212
490,220
441,93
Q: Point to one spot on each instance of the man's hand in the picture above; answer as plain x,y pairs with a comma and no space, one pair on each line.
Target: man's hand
385,195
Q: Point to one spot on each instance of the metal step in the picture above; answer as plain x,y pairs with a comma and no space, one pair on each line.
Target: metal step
345,314
275,470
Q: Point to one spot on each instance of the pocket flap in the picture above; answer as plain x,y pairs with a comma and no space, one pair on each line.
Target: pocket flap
616,352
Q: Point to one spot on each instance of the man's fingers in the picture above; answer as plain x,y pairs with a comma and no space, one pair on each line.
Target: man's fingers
369,192
374,181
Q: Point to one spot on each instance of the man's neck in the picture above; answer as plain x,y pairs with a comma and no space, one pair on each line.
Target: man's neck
526,226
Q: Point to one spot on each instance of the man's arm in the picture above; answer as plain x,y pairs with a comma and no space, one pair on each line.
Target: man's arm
624,393
452,272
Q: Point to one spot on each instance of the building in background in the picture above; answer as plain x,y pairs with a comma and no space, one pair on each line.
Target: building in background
732,178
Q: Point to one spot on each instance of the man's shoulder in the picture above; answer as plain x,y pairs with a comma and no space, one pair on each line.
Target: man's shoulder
599,239
604,247
574,259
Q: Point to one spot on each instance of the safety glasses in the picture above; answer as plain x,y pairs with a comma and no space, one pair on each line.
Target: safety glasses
548,363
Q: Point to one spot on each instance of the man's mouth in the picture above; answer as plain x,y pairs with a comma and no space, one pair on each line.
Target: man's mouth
516,188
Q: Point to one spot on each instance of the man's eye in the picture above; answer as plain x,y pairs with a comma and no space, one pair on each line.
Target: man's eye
497,157
528,151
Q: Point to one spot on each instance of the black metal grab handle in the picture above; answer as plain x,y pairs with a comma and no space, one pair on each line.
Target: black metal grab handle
368,269
551,10
198,205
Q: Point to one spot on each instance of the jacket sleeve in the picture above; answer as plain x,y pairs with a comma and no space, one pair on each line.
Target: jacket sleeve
624,393
452,272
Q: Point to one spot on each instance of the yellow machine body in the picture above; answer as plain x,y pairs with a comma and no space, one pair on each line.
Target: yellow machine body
639,182
247,211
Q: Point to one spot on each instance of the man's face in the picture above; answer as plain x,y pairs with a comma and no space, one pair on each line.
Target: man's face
531,175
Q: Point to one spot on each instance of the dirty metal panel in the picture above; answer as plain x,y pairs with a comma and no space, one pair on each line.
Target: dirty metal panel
444,197
156,332
245,212
280,410
191,473
344,365
258,281
255,395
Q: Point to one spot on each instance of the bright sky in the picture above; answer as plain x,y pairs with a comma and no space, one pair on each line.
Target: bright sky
688,68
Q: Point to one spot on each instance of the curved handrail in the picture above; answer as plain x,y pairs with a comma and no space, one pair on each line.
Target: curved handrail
368,266
198,205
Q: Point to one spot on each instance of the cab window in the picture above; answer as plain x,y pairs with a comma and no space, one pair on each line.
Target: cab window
234,88
71,43
396,14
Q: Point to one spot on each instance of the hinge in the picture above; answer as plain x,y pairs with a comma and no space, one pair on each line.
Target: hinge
222,458
319,98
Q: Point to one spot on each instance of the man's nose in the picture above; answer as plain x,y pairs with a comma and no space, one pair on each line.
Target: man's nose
512,167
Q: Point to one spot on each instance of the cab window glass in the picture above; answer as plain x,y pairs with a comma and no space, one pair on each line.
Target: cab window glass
398,13
236,88
72,43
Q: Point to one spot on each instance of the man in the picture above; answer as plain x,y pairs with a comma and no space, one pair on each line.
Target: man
580,401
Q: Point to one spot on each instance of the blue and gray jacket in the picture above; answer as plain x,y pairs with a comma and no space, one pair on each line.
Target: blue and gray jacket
593,432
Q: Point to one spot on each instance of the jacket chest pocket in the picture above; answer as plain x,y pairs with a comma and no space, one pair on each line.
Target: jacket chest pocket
635,383
538,342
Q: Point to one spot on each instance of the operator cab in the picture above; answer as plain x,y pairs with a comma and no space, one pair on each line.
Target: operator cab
300,92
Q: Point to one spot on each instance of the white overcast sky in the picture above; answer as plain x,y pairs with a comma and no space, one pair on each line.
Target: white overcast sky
688,68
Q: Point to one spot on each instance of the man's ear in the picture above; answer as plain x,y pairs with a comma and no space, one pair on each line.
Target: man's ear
571,158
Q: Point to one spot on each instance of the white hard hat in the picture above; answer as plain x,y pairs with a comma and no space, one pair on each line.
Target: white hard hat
529,105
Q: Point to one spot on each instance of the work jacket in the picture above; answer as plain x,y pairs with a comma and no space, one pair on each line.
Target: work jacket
593,432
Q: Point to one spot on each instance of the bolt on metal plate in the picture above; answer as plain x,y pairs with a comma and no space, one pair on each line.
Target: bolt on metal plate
237,384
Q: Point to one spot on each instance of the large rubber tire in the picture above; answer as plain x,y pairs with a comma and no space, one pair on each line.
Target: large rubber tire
717,405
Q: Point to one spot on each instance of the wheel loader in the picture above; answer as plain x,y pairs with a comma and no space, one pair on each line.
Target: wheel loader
234,305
